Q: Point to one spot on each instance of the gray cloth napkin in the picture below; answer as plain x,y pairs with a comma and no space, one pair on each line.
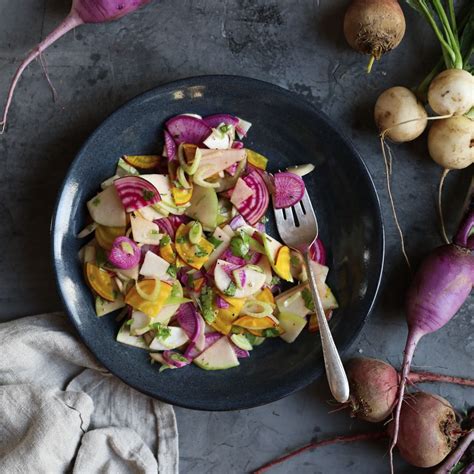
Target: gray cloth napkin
60,411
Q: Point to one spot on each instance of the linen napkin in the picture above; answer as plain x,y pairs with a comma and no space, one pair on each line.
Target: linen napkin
60,411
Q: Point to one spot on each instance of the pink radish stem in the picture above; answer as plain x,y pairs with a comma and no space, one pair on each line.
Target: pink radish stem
422,377
82,11
70,22
319,444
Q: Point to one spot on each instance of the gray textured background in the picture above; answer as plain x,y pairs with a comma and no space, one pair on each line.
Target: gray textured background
297,44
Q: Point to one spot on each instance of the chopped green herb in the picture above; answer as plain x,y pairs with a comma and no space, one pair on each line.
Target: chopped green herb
96,202
172,271
237,330
176,290
161,331
154,232
128,323
224,128
181,240
200,252
214,241
165,240
178,357
164,367
308,299
205,301
148,195
115,294
100,257
275,280
271,332
264,220
294,260
239,247
231,289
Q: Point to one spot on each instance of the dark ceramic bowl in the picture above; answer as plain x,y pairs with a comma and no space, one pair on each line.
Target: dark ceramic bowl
288,130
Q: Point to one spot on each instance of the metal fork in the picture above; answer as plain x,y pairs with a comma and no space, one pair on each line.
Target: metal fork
299,233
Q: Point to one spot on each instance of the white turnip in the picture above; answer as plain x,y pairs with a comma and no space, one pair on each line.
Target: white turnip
374,27
82,11
399,115
428,430
452,92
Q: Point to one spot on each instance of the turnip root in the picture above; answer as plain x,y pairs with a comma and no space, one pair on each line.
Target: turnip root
440,287
82,11
452,92
428,430
374,27
399,115
451,142
373,388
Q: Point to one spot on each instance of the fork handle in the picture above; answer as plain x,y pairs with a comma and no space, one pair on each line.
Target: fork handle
335,373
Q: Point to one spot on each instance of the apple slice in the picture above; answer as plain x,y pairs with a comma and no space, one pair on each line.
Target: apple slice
103,307
124,337
204,207
292,324
107,209
251,284
177,337
154,266
166,313
224,237
219,356
292,301
215,161
144,232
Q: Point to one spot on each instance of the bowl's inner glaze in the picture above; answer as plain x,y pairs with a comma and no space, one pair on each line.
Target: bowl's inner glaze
288,131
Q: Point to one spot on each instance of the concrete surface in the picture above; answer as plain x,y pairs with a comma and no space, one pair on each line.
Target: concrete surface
297,44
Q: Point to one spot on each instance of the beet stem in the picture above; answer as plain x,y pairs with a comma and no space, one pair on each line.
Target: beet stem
414,336
318,444
455,455
421,377
70,22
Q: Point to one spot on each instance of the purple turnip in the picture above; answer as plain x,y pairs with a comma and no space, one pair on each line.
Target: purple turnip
439,289
82,11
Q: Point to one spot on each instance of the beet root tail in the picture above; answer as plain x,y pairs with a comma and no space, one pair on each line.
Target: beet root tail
69,23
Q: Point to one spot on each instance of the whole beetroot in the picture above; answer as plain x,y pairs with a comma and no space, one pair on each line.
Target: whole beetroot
428,429
373,387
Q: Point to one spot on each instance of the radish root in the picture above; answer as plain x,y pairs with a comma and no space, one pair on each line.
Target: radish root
440,205
70,22
318,444
46,73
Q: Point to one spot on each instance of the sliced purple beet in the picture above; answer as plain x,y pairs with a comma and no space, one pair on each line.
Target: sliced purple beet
254,208
289,189
215,120
170,146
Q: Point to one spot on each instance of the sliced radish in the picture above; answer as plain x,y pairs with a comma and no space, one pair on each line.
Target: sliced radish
317,252
136,192
187,129
254,208
289,189
170,146
124,254
215,120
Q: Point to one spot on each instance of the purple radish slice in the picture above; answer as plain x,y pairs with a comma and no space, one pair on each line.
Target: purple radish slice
136,192
215,120
209,339
237,145
289,189
232,169
260,226
237,222
233,261
240,353
317,252
221,303
240,277
192,324
125,253
186,129
254,208
254,258
165,226
170,145
175,359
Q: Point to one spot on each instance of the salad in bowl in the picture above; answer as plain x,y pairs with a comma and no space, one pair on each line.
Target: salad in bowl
179,245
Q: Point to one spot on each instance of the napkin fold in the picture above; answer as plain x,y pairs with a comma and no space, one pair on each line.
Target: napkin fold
61,411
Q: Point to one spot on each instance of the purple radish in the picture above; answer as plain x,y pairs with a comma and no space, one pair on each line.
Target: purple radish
187,129
289,189
240,353
175,359
221,303
237,145
209,339
440,287
82,11
165,226
215,120
317,252
170,146
136,192
125,253
237,222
